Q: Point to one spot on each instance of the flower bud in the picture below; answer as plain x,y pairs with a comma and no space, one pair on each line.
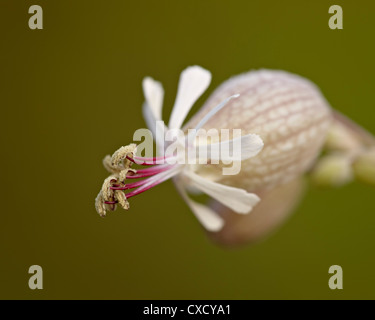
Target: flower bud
340,138
332,170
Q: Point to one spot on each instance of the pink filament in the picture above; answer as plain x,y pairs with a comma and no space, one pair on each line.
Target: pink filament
151,185
148,172
145,184
130,185
148,161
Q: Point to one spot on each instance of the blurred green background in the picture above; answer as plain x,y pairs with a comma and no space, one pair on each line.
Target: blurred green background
71,93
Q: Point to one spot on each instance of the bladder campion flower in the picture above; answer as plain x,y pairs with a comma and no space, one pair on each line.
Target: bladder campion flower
284,122
193,82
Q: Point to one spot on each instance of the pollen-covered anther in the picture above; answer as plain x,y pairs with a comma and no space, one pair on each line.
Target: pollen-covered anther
121,198
119,158
107,163
123,174
100,205
107,192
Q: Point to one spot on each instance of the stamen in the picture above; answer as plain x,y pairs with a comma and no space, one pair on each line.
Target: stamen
142,164
106,192
130,185
122,200
121,154
149,161
114,187
99,204
146,184
154,182
110,202
149,172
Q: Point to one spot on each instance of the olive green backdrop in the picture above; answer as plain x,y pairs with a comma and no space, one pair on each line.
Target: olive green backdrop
71,93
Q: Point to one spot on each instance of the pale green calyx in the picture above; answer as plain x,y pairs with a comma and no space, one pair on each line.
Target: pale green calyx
333,170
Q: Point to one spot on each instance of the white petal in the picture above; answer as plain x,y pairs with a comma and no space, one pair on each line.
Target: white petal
149,118
154,93
154,127
238,149
236,199
207,217
193,82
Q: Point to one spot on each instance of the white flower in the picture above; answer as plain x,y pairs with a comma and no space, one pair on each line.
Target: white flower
285,113
193,82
